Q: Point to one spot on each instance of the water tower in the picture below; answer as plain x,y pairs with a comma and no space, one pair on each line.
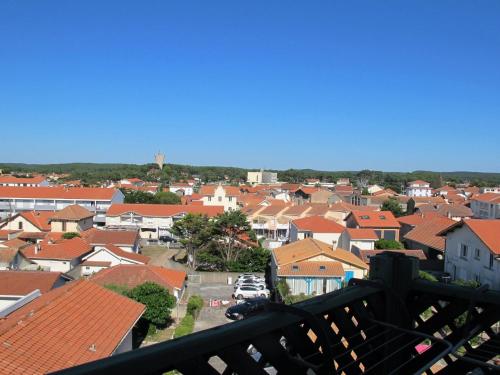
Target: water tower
160,160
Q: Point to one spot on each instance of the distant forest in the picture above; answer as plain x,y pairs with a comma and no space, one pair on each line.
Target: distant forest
93,173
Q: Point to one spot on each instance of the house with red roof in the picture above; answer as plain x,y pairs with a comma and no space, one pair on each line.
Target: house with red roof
358,238
383,223
15,199
486,206
29,221
76,323
418,188
154,220
35,181
16,285
108,256
316,227
58,256
473,251
131,275
221,195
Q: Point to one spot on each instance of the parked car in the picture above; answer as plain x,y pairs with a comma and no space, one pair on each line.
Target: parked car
249,276
248,308
258,286
244,292
167,239
250,281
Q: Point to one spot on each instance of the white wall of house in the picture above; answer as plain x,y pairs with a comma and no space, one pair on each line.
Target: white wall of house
329,238
149,227
55,265
468,258
26,226
219,198
126,344
188,190
90,270
485,210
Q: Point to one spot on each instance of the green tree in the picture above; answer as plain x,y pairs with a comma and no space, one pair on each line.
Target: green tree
137,196
229,227
158,302
167,197
250,260
388,244
392,205
195,232
70,235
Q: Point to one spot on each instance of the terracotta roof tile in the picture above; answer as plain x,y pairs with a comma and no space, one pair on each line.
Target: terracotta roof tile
61,250
488,231
40,219
163,210
57,192
8,179
20,283
310,248
72,212
116,237
365,255
361,234
59,328
379,219
487,197
307,268
132,275
318,224
427,233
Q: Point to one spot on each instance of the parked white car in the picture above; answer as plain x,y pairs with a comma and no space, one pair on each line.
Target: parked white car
246,281
250,292
249,276
257,286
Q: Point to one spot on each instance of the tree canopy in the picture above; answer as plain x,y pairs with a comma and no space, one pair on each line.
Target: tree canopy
392,205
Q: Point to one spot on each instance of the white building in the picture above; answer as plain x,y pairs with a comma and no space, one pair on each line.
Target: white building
96,200
486,206
473,251
495,190
153,220
8,180
109,256
181,188
220,195
262,177
418,188
362,239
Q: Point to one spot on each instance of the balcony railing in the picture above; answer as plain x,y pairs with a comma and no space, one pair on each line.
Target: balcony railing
394,323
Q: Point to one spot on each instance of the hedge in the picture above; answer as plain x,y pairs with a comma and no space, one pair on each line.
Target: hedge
194,306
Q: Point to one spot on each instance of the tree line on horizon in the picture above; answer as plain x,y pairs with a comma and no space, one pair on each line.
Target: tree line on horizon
95,173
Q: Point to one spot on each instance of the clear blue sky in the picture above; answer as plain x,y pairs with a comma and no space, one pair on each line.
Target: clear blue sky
332,85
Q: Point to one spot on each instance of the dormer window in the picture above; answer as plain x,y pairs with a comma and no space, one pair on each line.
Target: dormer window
365,217
295,268
322,268
382,217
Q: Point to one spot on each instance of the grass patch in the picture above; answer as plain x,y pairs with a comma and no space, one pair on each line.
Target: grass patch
185,327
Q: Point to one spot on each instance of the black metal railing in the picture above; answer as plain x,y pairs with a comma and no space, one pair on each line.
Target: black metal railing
392,323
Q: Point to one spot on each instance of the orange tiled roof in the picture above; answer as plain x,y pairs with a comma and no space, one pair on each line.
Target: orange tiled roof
68,326
163,210
487,197
418,182
72,212
347,207
365,255
14,243
57,192
319,269
318,224
297,210
20,283
427,232
418,218
131,275
380,219
272,210
310,248
61,250
40,219
232,191
116,237
361,234
8,179
488,231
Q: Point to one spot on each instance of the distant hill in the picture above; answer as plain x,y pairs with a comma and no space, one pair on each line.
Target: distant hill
91,173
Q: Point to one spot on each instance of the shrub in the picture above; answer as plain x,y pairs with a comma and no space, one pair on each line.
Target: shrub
427,276
194,306
388,244
70,235
158,302
185,327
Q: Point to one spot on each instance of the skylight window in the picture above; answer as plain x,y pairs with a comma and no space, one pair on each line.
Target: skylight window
382,217
365,217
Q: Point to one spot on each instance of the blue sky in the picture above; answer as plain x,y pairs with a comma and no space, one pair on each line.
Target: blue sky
331,85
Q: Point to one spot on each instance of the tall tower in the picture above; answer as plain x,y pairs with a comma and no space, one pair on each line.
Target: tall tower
160,159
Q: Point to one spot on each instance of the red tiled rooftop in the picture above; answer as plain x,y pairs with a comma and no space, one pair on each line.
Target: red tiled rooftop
57,192
163,210
318,224
68,326
318,269
72,212
60,250
96,236
379,219
20,283
131,275
361,234
427,232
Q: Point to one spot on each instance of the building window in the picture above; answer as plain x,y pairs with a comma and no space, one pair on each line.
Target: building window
209,199
477,254
490,265
20,225
220,199
230,199
463,251
64,226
